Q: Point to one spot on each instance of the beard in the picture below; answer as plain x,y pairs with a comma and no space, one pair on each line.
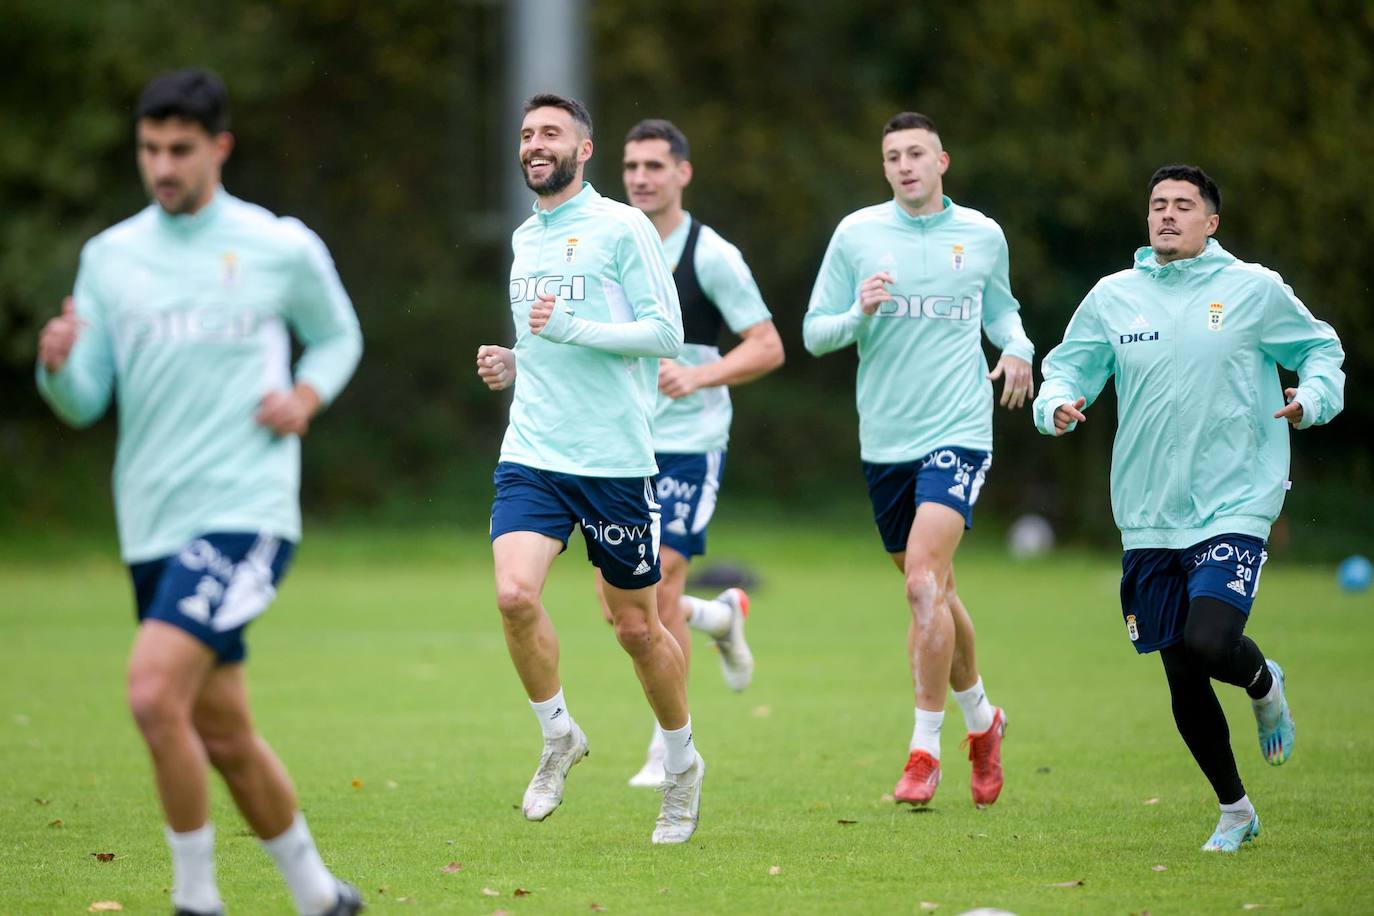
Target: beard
564,171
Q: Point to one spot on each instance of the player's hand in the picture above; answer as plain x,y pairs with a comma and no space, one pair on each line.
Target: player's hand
58,337
1292,412
1020,384
1065,414
288,413
676,381
496,366
540,312
873,292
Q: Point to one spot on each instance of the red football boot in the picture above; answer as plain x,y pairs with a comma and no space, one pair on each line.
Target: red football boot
919,779
985,753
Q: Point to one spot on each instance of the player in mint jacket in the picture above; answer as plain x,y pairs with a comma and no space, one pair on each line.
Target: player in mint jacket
183,315
1193,337
595,309
914,283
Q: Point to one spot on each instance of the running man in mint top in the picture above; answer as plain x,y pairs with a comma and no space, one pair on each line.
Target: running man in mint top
183,315
1193,338
595,309
692,420
914,283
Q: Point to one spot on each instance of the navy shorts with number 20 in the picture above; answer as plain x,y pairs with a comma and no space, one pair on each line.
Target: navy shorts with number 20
949,476
618,517
1158,584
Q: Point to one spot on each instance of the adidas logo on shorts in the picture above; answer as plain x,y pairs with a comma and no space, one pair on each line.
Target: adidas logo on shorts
1237,586
642,568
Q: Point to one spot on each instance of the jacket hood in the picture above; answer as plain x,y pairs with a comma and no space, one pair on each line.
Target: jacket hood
1212,259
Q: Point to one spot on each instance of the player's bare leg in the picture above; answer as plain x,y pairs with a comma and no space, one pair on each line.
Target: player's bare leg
167,667
263,793
662,672
522,560
673,614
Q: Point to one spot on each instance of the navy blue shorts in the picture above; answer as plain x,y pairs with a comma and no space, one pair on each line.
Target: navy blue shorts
213,588
618,517
687,486
1158,584
949,476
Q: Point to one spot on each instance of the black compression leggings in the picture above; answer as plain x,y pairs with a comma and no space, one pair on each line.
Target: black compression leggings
1214,646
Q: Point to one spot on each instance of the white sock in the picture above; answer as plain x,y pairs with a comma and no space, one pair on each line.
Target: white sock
978,712
553,715
193,869
1236,813
679,751
713,617
657,745
926,736
312,886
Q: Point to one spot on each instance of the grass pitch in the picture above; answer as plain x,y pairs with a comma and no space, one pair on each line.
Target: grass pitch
381,678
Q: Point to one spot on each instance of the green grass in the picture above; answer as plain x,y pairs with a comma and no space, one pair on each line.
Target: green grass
383,663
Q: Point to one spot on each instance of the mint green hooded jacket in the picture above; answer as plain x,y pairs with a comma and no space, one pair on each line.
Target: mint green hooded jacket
1193,346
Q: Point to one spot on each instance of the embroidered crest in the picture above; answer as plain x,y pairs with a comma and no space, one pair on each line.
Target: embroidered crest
229,271
1215,316
1131,629
957,260
570,252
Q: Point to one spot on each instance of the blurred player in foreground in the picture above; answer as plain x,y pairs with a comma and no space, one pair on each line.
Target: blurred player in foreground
595,310
181,314
692,421
1193,336
913,282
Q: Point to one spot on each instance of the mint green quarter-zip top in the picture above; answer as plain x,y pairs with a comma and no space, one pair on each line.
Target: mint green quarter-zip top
1194,347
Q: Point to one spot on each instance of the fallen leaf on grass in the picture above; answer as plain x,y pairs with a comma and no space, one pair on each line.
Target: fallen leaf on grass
1079,883
488,892
103,856
521,892
452,867
42,801
845,820
928,905
1159,868
1254,906
1150,801
357,783
598,908
979,836
405,899
887,797
762,712
392,784
55,823
104,906
775,869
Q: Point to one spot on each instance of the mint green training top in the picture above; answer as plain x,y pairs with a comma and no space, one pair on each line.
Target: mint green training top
700,422
921,380
586,386
186,325
1193,346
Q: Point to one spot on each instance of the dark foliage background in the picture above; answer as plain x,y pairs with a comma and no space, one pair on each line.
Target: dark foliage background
378,125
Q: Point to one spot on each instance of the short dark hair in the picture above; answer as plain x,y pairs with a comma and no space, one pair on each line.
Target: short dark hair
571,106
909,120
192,93
1211,194
662,129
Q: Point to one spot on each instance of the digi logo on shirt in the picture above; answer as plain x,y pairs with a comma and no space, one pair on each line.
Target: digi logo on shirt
929,307
567,289
203,324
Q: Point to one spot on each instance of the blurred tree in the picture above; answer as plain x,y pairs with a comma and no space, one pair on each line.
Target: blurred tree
376,124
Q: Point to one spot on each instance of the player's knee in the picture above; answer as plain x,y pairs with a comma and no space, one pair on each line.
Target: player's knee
1209,648
633,633
516,599
228,751
154,705
922,589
